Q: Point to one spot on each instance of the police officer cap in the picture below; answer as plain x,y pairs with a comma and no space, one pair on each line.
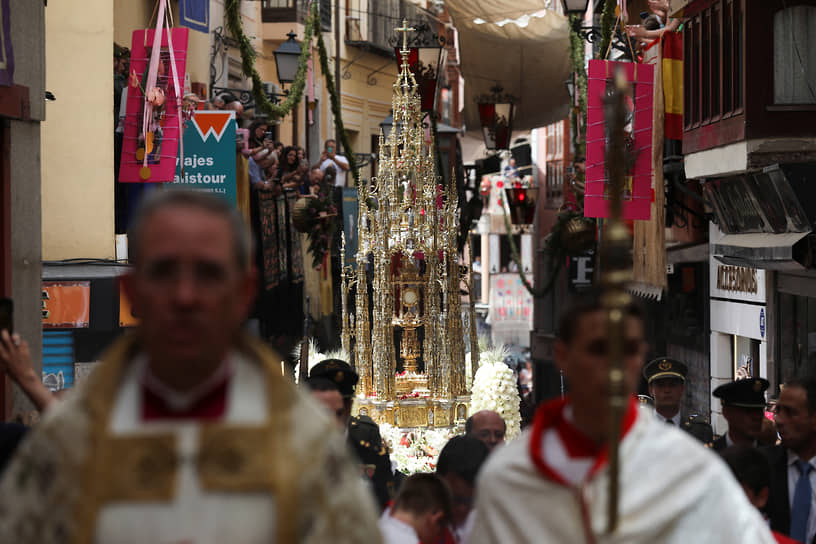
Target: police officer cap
338,372
746,393
664,367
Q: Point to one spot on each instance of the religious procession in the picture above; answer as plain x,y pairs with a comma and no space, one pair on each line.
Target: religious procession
408,272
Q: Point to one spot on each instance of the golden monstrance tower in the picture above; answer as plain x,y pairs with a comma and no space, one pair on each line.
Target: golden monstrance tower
406,329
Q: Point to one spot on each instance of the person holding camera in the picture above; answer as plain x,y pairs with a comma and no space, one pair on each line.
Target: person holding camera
329,157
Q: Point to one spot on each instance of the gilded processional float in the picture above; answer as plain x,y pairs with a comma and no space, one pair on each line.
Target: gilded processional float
406,333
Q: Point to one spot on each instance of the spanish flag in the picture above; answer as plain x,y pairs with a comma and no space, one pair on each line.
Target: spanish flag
672,49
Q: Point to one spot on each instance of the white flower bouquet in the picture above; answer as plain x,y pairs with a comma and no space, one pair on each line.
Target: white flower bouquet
494,388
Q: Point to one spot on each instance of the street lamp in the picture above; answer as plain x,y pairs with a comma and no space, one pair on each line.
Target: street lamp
286,59
426,62
427,57
387,124
575,7
496,111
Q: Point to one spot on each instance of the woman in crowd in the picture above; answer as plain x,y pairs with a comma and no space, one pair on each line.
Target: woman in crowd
257,135
289,160
298,178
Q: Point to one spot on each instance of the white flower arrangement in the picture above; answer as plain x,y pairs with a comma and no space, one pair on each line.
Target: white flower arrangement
494,388
316,356
414,451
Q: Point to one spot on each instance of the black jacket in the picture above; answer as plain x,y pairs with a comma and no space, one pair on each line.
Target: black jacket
778,507
719,444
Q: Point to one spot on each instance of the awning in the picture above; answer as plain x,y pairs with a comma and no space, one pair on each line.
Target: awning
530,62
759,250
697,253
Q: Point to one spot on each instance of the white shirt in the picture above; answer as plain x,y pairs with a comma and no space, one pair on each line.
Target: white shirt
340,179
395,531
674,419
793,477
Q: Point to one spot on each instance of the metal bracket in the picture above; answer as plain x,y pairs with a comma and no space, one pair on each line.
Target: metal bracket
346,71
371,80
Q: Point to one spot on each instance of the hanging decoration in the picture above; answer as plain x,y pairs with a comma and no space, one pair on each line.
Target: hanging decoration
153,122
232,15
315,216
637,193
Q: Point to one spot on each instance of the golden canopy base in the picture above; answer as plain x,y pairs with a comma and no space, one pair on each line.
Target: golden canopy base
416,412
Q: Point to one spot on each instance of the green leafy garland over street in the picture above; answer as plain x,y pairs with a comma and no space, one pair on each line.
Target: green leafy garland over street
232,9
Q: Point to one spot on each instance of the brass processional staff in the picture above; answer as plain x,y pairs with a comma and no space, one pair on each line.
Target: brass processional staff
616,271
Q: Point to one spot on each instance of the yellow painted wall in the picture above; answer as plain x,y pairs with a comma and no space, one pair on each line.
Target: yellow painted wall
77,136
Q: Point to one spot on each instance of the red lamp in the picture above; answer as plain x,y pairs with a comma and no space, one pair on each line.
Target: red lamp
496,111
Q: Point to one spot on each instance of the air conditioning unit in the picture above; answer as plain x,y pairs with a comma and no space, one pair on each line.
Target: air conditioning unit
271,89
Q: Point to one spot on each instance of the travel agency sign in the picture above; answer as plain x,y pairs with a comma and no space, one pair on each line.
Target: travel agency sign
209,154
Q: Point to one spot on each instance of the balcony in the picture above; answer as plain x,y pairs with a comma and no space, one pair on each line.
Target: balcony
749,72
295,11
374,30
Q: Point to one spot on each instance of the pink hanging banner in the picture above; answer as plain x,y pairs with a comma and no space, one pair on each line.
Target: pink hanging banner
151,141
637,194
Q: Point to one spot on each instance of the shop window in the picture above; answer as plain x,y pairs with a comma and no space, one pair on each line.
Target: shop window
744,357
797,335
795,55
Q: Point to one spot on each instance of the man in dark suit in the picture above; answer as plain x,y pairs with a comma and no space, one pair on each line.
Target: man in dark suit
334,376
743,407
791,506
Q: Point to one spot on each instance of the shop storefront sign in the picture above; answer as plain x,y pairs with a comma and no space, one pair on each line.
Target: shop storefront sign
738,318
737,278
66,305
209,154
581,269
737,283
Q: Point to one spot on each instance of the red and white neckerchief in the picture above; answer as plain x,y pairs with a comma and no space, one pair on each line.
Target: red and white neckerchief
577,445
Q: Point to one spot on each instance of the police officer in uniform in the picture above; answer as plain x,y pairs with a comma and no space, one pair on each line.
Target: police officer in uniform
667,385
743,407
363,434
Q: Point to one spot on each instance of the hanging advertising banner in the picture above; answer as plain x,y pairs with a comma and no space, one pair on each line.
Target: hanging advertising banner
637,193
6,51
149,156
209,154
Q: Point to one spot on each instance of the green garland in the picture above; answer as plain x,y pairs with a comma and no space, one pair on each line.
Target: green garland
577,59
232,13
608,19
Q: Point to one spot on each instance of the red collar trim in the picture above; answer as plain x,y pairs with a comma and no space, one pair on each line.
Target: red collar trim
212,406
551,416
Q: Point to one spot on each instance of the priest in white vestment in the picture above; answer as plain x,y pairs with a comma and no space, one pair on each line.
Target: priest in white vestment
550,484
186,432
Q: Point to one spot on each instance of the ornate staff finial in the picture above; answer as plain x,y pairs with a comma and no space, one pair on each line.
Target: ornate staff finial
405,29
